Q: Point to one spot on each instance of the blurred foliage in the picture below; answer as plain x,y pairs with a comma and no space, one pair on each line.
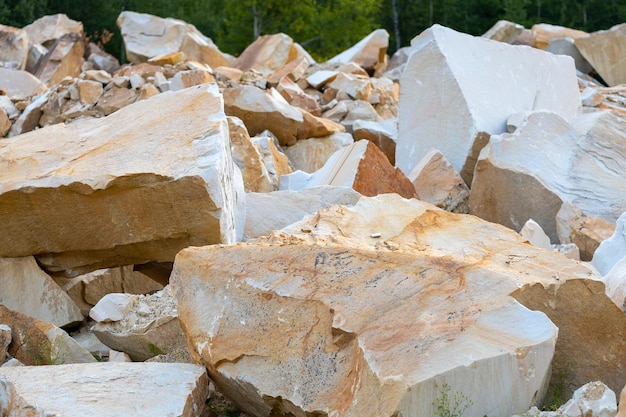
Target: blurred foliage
323,27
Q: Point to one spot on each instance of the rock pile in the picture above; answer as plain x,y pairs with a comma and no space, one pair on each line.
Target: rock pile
299,230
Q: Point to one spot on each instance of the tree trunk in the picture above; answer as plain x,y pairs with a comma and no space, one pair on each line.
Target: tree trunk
258,21
430,12
396,22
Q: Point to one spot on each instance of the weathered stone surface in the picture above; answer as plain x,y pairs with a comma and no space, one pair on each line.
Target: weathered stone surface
269,53
90,91
587,232
114,99
370,52
101,60
311,154
447,79
351,87
146,36
5,123
545,33
20,84
64,59
104,390
361,166
5,341
582,164
603,51
369,317
355,110
384,134
504,31
148,327
36,342
256,177
25,288
186,79
262,111
293,70
112,307
592,399
29,119
612,249
112,208
566,46
14,51
317,127
436,182
47,29
267,212
275,160
297,97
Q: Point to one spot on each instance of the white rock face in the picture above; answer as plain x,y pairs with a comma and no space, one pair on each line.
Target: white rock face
593,399
108,389
111,307
615,281
311,154
135,186
613,249
369,52
355,303
273,211
146,36
547,162
456,87
25,288
535,234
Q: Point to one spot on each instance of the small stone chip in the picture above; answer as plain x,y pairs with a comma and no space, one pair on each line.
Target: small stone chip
375,235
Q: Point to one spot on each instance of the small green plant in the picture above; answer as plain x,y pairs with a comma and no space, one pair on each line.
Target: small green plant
451,406
154,349
558,388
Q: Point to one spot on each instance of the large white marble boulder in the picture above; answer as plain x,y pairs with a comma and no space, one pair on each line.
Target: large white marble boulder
136,186
548,162
368,311
458,89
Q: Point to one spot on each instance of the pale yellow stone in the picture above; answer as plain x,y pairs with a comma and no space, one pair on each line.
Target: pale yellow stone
90,91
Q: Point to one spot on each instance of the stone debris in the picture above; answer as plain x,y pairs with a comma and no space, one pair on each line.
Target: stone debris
124,166
5,341
145,326
36,342
105,389
25,288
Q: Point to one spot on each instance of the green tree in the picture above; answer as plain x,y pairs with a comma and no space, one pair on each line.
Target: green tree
19,13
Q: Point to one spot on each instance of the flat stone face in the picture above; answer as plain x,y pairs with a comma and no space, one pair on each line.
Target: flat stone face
138,185
267,54
20,84
603,50
450,93
369,52
548,162
52,27
108,389
367,310
146,36
24,287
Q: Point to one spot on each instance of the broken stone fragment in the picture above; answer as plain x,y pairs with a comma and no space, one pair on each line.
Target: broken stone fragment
293,70
267,212
384,134
446,79
612,249
603,51
545,33
47,29
297,97
247,157
14,51
112,307
317,127
504,31
190,78
436,182
63,59
587,232
269,53
36,342
361,166
148,326
182,191
89,91
5,341
263,111
5,123
105,389
146,36
592,399
311,154
582,164
25,288
370,52
20,85
274,158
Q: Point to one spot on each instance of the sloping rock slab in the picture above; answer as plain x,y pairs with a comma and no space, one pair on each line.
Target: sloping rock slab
109,389
138,185
457,88
368,311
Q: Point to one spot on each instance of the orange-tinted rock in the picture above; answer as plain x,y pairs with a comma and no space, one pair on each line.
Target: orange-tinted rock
268,53
317,127
544,33
384,134
64,59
